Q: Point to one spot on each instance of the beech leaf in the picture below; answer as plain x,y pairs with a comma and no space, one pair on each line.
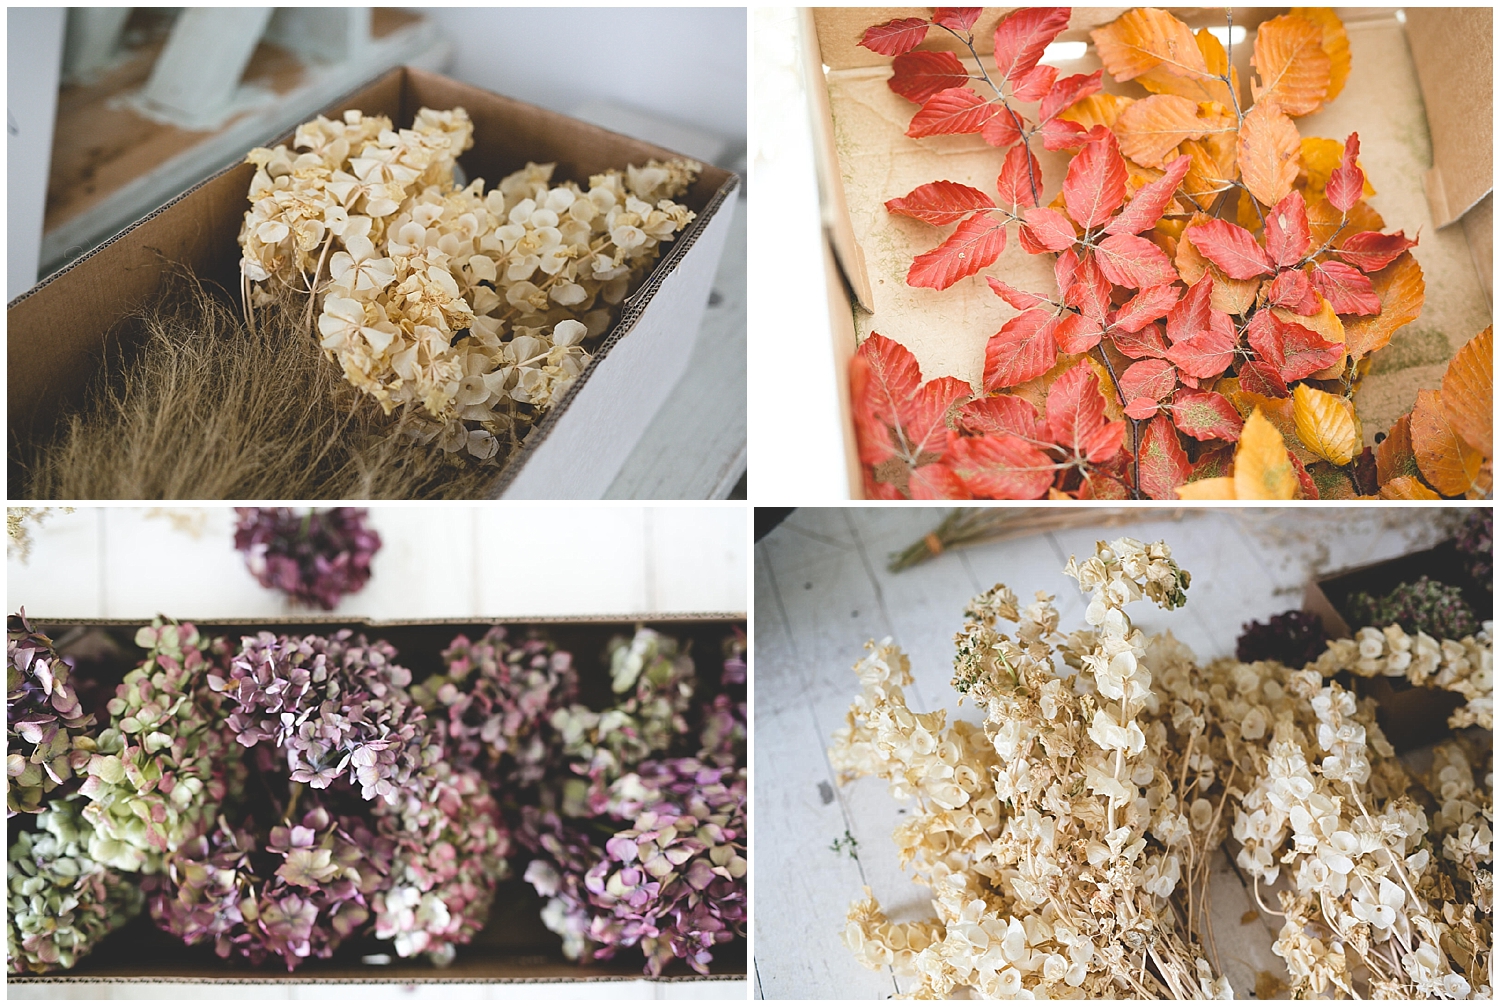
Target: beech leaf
1262,467
1394,456
940,202
1198,88
920,75
1046,230
1269,151
1448,463
1069,92
954,111
1017,175
1206,416
957,18
1022,37
1001,467
1090,291
1294,291
1150,201
973,245
1147,342
936,482
1261,378
1372,251
1294,350
1230,247
1468,392
1287,236
1001,414
1164,465
1021,300
1346,288
1335,44
1094,187
1144,39
1346,184
1210,488
1190,316
1077,333
1003,129
1148,379
1402,291
1024,348
1207,354
1146,307
1035,84
1326,424
1134,262
1294,71
1407,488
1151,128
898,416
1075,407
895,37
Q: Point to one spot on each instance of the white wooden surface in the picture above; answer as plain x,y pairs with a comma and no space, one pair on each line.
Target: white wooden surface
822,589
436,561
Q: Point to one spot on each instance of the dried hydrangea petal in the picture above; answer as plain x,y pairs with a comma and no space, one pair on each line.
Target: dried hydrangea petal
316,557
47,730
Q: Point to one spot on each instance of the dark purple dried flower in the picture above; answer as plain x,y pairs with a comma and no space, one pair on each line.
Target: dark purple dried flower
1295,638
316,557
735,646
43,717
1476,544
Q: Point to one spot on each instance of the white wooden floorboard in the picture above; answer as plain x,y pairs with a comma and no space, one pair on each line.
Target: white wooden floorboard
822,589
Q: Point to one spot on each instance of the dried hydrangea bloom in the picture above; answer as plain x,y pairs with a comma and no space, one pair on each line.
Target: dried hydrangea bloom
450,847
1475,542
220,887
1294,638
734,647
1463,666
61,902
465,307
46,726
493,704
314,556
163,765
1427,606
334,708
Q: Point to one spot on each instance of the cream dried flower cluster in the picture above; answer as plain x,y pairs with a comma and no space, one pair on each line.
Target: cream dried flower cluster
1462,666
1066,840
465,308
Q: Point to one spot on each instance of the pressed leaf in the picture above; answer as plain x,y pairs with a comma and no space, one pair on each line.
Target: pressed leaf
1148,379
884,376
1104,443
1294,291
1060,134
924,416
1346,288
1075,409
1070,93
1001,467
1230,247
1287,236
973,245
1346,184
1394,456
1021,300
920,75
1145,308
1020,179
895,37
1261,378
1134,262
1094,187
1262,468
954,111
1294,71
1024,348
1372,251
1206,416
1213,488
957,18
940,202
1294,350
1269,152
1216,463
1164,465
1326,222
1335,44
1144,39
1145,343
1407,488
1448,463
1402,291
1046,230
1150,201
1468,392
1001,414
1326,424
936,482
1022,37
1152,128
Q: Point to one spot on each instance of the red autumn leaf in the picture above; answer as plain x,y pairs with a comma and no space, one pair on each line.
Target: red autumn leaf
1150,379
1075,408
1294,291
937,482
1346,184
897,416
1078,333
1001,414
1104,443
875,490
940,202
1096,486
1145,343
1192,314
1145,308
1035,84
956,110
974,244
924,418
1134,262
1206,416
1022,37
1142,408
1024,348
1214,464
1021,300
895,37
1309,488
1373,251
1346,288
1230,247
1046,230
1060,134
957,18
1068,92
1287,235
920,75
1094,187
1294,350
1065,267
1164,465
1017,175
1209,353
1262,378
1150,200
1001,467
1089,291
1003,129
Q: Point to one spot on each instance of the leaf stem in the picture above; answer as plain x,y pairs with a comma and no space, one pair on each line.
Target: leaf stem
1015,118
1135,426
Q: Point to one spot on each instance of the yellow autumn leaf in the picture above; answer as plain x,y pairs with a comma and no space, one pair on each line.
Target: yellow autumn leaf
1469,392
1262,470
1320,156
1326,424
1292,69
1269,151
1335,44
1402,291
1099,110
1217,488
1407,488
1144,39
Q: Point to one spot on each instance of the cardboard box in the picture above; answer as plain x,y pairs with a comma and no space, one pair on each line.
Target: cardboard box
515,946
59,328
1429,163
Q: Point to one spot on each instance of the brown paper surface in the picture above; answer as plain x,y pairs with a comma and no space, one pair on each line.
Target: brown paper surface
1452,48
947,330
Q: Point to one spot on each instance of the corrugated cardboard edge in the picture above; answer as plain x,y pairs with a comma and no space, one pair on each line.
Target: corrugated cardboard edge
1458,91
320,619
373,981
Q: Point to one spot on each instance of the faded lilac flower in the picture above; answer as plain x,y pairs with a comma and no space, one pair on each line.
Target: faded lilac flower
46,726
317,557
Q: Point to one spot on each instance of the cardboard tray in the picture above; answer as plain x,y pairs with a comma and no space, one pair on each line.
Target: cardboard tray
514,947
1419,94
59,329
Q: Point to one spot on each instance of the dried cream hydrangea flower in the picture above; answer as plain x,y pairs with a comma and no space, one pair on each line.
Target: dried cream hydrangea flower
465,308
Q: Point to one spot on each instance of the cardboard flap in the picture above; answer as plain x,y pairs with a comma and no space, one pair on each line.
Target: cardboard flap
1453,49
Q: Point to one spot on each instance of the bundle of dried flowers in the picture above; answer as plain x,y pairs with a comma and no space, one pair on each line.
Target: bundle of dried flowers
46,728
316,557
1427,606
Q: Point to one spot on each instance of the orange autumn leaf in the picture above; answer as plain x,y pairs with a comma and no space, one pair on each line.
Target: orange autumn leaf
1292,69
1096,110
1468,392
1194,87
1145,39
1406,488
1335,44
1212,169
1394,457
1326,424
1402,292
1324,220
1216,488
1448,464
1151,129
1269,152
1262,470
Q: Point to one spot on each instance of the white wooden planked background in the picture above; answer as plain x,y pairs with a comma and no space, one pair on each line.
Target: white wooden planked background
822,589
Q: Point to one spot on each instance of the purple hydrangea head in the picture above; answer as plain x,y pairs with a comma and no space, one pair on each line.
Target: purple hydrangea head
314,556
735,646
46,726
